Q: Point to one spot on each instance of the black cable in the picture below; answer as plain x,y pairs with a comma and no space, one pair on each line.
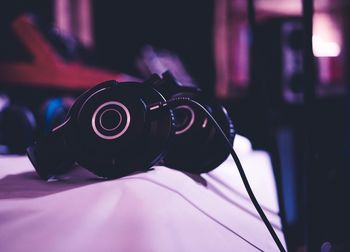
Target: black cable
312,201
184,100
262,96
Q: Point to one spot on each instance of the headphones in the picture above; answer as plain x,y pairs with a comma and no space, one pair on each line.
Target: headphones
111,131
115,129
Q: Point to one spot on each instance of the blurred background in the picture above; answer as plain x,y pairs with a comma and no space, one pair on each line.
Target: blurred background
250,55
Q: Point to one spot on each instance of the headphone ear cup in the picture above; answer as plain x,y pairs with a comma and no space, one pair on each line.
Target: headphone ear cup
17,128
197,146
114,134
51,155
109,130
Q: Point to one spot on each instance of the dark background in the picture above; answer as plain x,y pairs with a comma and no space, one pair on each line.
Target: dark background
122,28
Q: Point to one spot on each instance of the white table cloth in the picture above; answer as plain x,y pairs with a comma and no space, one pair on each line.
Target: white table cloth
160,210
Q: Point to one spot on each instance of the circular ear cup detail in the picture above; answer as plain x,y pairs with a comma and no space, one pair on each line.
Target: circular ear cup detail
110,120
185,118
106,118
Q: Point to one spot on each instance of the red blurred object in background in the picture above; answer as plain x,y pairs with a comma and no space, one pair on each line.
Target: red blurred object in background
47,68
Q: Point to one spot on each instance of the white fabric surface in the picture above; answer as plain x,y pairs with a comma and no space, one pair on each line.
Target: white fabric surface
160,210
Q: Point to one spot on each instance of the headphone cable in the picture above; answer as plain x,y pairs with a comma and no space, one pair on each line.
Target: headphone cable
174,102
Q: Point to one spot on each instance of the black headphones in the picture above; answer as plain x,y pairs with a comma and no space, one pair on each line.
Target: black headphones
115,129
110,131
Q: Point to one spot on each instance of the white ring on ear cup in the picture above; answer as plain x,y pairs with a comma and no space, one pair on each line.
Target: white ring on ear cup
188,108
93,120
115,127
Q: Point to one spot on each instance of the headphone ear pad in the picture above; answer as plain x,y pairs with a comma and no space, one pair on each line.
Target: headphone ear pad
217,150
51,155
